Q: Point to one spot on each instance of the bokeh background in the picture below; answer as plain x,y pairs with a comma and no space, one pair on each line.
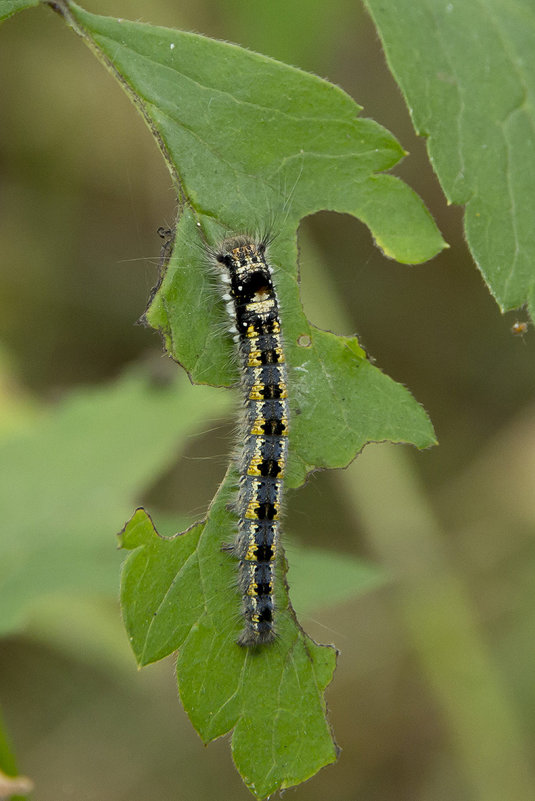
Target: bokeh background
434,695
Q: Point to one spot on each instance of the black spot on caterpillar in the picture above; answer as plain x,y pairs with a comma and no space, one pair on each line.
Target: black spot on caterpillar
252,303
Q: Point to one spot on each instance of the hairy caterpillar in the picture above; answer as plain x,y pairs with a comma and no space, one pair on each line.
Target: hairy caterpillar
252,303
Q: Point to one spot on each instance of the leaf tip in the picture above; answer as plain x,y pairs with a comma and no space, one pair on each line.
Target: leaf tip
133,533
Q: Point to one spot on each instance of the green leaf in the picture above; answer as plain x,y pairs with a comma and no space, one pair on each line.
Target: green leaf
7,759
243,133
176,594
319,578
238,161
467,70
11,785
339,400
255,144
10,7
70,477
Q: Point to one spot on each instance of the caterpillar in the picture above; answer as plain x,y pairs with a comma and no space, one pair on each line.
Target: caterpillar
253,305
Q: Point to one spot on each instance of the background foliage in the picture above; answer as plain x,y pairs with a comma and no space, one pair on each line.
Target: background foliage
439,672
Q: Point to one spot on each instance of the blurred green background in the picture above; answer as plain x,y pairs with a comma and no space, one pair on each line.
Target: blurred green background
434,696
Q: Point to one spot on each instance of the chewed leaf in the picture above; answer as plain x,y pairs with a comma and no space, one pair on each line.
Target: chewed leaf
244,152
338,399
319,577
242,133
468,76
340,402
255,144
272,698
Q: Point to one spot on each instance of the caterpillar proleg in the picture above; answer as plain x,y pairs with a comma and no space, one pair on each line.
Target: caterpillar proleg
252,303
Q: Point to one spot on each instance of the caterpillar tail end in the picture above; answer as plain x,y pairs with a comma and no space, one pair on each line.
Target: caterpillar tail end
259,628
262,634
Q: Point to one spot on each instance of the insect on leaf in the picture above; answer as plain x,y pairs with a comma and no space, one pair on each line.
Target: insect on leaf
254,144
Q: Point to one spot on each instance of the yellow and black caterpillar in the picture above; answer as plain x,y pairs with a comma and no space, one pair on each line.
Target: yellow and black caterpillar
252,302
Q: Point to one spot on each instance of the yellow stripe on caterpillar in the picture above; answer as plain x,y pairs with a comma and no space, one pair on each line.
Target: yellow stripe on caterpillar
252,590
254,506
260,392
254,358
253,468
250,554
258,427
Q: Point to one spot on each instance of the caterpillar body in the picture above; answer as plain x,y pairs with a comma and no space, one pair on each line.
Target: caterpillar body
252,302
